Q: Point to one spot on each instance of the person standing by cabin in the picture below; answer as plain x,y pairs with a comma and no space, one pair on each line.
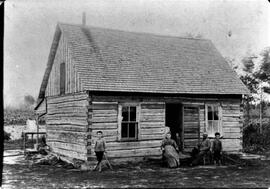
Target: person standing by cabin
170,151
100,149
204,149
217,149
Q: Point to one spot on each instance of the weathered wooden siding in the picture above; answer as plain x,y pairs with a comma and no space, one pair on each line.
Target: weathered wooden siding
232,116
63,55
67,122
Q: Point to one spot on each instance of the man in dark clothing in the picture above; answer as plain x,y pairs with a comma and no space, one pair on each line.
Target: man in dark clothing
217,148
204,149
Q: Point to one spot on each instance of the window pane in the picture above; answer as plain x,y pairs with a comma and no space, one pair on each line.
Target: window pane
215,113
210,113
132,130
125,113
124,130
132,113
210,130
215,127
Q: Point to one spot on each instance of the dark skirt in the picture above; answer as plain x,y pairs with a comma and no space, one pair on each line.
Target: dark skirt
99,156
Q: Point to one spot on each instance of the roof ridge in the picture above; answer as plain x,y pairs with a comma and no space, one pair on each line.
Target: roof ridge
134,32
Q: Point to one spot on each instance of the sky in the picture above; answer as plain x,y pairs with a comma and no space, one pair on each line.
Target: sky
30,26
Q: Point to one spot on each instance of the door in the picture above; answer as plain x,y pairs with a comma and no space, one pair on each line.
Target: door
173,119
191,126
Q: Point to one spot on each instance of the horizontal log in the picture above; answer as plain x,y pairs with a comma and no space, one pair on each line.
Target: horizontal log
135,152
144,125
152,118
68,146
57,99
106,138
232,124
69,137
231,144
79,109
231,130
152,131
100,102
231,108
104,112
55,138
103,107
70,128
68,153
103,126
69,114
112,146
108,115
191,135
152,111
232,119
226,111
152,137
104,119
81,103
66,122
232,135
150,114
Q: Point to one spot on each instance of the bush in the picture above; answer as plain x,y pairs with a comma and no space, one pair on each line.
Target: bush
253,140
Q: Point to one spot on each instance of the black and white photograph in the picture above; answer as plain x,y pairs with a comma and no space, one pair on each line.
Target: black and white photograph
136,94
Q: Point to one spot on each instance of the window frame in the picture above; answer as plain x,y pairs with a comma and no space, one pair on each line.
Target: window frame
137,122
220,118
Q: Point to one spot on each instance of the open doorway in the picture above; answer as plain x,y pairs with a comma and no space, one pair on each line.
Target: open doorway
173,119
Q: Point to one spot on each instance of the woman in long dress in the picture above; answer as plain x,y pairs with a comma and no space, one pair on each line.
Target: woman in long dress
170,151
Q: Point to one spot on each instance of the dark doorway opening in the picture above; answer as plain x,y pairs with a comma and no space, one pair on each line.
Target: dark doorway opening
173,119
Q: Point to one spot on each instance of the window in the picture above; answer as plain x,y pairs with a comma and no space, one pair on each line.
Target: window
129,124
213,120
62,78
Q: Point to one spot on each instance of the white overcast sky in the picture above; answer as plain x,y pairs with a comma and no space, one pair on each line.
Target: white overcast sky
30,26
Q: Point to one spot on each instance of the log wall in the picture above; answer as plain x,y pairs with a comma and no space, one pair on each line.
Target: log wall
67,123
73,120
151,126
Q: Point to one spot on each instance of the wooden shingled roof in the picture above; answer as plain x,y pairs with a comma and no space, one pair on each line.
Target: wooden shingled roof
112,60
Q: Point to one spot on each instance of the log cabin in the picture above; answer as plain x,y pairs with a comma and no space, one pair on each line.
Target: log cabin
131,86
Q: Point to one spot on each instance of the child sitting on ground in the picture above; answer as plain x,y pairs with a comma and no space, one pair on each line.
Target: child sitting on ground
99,149
217,149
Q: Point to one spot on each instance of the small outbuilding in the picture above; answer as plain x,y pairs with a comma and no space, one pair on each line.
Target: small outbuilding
131,86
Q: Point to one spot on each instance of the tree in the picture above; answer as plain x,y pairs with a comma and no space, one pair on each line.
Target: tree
254,79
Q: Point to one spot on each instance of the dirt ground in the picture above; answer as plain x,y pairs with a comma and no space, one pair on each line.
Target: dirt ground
18,173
